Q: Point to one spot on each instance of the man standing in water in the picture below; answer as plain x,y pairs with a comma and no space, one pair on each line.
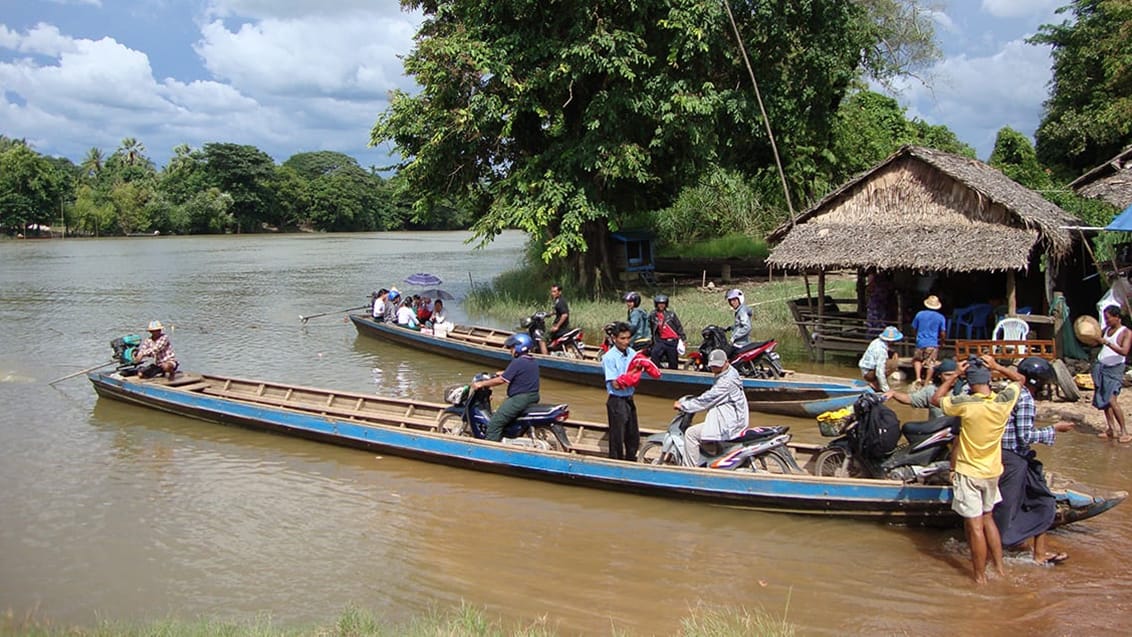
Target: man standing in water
624,432
976,456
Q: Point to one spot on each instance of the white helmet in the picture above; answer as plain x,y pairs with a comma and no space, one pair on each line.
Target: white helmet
735,293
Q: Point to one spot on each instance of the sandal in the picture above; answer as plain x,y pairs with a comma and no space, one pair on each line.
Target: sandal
1054,558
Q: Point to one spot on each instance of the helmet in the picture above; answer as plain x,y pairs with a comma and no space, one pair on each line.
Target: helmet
660,298
520,342
632,297
394,295
1036,370
735,293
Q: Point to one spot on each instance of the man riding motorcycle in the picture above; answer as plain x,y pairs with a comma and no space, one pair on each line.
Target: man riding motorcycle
726,403
522,379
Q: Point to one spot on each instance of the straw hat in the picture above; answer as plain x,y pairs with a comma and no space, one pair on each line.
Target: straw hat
1088,330
932,302
891,334
155,326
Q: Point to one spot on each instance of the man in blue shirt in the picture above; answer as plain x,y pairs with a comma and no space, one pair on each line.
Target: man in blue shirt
624,432
522,379
931,328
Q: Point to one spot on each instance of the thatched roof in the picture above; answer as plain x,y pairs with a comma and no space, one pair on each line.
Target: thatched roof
926,210
1111,181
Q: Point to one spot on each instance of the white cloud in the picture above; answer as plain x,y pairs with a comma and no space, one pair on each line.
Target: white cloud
93,3
1020,8
290,9
976,96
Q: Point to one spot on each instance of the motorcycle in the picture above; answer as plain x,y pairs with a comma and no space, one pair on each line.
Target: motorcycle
569,344
754,360
758,449
924,458
538,427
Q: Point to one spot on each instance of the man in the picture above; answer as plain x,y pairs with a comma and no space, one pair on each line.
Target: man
976,456
741,329
638,321
161,349
522,380
624,432
726,402
561,317
874,362
922,397
667,332
931,329
392,304
1028,507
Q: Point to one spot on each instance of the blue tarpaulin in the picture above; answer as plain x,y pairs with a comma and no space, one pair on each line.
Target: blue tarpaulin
1122,222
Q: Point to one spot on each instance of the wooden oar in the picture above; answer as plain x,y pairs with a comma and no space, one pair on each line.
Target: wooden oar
81,371
304,319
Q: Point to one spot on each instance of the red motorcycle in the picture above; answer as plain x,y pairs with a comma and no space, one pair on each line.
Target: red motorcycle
569,344
754,360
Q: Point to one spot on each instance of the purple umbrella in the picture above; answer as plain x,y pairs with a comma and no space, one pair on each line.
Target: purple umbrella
423,279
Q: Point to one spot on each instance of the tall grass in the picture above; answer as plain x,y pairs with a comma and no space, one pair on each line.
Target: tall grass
732,246
462,621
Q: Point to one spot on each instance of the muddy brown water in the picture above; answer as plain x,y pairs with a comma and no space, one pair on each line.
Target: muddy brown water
118,512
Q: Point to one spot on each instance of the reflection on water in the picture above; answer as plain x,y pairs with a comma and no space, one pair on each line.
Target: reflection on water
119,512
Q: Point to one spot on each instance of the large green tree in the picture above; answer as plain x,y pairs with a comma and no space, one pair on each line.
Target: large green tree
32,189
565,120
246,174
1088,116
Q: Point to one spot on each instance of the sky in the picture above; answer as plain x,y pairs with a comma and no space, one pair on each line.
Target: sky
291,76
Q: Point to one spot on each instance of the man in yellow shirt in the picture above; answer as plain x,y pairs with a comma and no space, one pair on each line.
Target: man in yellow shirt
976,457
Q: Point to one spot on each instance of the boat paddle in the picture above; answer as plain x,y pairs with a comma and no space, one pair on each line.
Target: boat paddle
304,319
81,371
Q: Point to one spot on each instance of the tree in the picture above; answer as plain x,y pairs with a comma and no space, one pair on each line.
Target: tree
316,164
1088,116
92,163
1014,155
246,174
31,189
566,120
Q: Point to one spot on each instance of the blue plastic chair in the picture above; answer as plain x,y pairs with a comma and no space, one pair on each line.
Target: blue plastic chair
972,320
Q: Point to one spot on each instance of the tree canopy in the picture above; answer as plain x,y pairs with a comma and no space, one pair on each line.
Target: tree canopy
1088,116
565,120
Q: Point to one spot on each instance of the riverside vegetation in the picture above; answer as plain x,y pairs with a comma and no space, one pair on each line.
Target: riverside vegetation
462,621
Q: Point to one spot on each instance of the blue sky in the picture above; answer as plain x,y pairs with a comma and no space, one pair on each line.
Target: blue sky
296,75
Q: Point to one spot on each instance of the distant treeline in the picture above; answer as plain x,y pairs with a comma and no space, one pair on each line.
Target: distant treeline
219,188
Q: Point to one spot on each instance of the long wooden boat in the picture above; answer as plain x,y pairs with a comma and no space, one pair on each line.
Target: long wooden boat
417,429
798,395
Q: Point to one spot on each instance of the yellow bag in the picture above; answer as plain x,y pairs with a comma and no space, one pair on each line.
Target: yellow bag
1084,381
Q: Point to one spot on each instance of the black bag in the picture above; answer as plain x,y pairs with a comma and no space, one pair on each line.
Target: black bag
878,429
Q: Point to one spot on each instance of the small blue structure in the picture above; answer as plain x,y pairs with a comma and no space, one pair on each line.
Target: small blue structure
633,255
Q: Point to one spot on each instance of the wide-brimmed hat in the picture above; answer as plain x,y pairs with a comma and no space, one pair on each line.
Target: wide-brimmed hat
932,302
155,326
717,358
891,334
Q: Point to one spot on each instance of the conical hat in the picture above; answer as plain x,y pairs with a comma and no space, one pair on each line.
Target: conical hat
1088,330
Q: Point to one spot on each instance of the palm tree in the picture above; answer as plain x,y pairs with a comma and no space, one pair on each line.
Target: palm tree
131,149
92,163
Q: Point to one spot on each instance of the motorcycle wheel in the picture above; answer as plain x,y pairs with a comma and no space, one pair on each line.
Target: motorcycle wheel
747,369
573,351
776,368
831,463
451,424
546,437
653,453
777,461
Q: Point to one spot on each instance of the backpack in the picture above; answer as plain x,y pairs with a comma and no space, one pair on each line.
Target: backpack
878,429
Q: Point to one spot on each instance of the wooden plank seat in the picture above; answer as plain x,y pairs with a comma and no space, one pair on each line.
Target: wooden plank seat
351,413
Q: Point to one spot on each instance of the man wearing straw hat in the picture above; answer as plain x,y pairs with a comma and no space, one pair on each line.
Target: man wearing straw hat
874,362
931,328
159,347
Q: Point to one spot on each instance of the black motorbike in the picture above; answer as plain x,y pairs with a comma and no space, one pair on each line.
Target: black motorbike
539,426
753,360
924,458
570,343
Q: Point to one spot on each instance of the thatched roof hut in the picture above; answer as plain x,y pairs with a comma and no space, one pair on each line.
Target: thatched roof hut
925,210
1111,181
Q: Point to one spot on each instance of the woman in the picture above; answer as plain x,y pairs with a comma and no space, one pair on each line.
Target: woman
638,321
1108,373
406,316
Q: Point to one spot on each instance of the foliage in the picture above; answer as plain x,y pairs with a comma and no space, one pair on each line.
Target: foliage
736,245
32,188
722,202
1088,116
1014,155
565,120
246,174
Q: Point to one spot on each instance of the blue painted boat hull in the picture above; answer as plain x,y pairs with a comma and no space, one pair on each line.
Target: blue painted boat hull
781,396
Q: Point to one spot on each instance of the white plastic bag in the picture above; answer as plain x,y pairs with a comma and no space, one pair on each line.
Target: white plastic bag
681,347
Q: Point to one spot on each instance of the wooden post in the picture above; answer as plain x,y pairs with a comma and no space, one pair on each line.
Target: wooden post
1011,293
725,275
821,314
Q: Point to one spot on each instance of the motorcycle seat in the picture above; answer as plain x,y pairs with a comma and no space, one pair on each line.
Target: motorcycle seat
542,410
571,333
756,433
923,428
750,346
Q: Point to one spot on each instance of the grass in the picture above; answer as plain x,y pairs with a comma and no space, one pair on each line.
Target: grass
506,302
462,621
733,246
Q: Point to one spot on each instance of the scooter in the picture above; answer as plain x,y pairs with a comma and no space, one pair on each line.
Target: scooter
758,449
538,427
924,458
569,344
754,360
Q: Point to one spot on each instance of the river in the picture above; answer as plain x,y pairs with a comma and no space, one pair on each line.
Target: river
109,511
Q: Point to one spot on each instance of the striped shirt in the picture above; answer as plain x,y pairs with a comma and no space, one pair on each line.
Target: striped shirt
1020,432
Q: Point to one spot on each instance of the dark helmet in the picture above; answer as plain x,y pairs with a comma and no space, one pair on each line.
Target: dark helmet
521,343
632,297
660,298
1037,370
